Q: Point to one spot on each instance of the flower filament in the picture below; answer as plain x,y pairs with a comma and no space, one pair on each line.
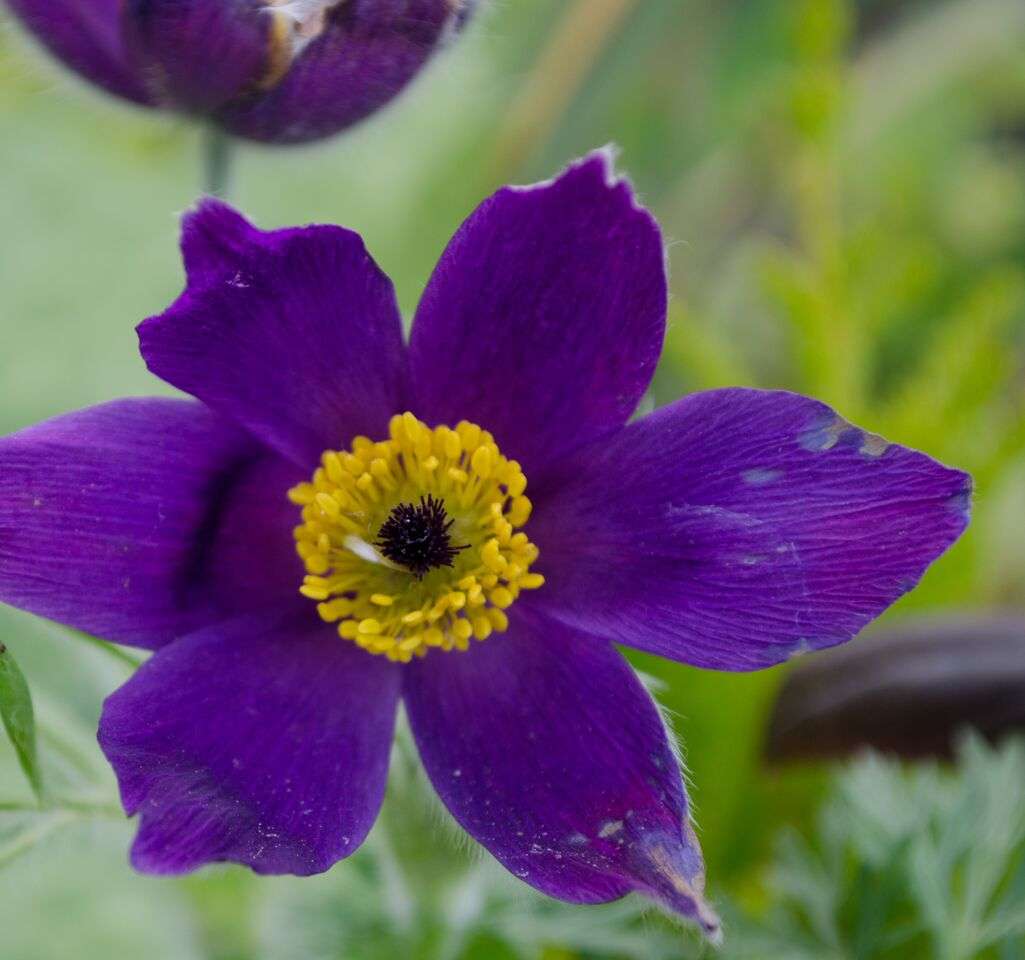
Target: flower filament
412,543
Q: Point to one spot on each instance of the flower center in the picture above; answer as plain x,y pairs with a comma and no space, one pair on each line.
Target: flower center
412,542
417,538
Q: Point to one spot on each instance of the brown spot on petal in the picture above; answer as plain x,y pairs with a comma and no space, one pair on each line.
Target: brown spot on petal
824,436
873,445
691,890
698,882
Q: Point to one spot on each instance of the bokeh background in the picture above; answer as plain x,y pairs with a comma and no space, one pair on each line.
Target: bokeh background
843,186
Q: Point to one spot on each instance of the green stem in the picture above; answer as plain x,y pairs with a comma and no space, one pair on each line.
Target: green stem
218,151
25,841
130,660
91,808
69,806
111,650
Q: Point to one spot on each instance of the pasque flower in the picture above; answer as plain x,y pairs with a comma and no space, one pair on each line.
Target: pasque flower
343,521
284,71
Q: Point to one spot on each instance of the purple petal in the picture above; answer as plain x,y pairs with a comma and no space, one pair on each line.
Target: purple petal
301,342
365,53
86,36
736,528
246,558
108,517
262,742
216,241
548,750
544,320
199,54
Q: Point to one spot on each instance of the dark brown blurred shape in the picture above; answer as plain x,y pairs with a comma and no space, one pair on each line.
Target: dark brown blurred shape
906,689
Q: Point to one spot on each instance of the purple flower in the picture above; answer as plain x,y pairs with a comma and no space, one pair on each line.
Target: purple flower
342,522
283,71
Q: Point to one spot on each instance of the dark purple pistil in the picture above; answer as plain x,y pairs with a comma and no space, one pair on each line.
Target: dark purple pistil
416,536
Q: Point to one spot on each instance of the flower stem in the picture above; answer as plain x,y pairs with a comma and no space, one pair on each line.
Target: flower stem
217,151
25,841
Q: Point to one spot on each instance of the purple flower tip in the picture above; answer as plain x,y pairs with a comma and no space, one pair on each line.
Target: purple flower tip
283,71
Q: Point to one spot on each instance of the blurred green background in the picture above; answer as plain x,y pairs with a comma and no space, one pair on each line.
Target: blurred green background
843,187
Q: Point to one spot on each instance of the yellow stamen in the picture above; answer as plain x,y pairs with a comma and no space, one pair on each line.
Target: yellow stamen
382,606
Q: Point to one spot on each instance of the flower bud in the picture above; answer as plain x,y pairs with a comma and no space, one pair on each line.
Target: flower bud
280,71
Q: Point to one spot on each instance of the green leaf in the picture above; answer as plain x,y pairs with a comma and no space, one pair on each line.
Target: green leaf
904,863
19,719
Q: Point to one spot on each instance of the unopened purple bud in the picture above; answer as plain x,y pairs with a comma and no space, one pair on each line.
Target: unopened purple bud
86,36
198,55
283,71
